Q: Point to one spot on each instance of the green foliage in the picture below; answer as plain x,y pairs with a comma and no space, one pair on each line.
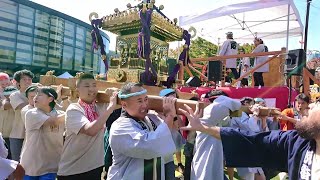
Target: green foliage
248,48
200,48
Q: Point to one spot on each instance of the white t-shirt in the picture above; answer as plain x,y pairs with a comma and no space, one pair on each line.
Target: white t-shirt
261,59
24,110
6,121
43,143
6,166
81,153
18,130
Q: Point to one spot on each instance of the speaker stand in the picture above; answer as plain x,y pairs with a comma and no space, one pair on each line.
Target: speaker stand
290,90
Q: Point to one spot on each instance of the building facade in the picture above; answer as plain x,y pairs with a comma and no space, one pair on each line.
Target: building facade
38,38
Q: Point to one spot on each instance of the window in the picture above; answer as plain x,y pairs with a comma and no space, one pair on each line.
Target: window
8,15
25,20
78,59
42,17
7,34
79,44
26,11
8,25
80,37
67,59
39,60
68,40
40,50
7,43
54,62
23,38
96,60
7,55
88,59
43,34
69,29
8,6
23,58
39,42
24,47
25,29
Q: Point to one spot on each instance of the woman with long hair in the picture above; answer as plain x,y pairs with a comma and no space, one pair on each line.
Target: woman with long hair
258,74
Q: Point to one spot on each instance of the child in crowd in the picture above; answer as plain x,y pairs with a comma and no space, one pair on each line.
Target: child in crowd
44,136
6,115
18,100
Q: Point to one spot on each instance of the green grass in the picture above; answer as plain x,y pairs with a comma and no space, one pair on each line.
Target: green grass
236,177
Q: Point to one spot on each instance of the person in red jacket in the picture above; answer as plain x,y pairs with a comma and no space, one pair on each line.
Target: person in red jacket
290,116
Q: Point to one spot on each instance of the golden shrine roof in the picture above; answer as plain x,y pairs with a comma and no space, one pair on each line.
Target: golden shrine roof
128,22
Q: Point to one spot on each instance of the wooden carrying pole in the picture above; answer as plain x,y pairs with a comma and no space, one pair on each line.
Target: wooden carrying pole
155,102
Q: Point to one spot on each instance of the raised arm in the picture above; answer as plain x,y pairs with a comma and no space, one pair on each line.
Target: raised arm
245,149
196,125
92,128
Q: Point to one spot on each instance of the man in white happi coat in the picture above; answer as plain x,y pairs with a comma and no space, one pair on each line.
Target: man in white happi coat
208,152
139,140
230,47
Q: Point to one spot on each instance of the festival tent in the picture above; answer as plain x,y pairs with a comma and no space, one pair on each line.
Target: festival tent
65,75
266,19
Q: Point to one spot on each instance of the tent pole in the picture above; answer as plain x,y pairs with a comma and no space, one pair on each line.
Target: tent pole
307,26
288,26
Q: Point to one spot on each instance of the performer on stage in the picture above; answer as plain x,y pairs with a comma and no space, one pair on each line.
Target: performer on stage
296,151
257,75
230,47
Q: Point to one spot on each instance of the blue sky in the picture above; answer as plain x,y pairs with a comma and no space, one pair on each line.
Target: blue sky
314,22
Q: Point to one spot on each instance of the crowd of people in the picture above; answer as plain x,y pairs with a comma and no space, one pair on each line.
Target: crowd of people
43,137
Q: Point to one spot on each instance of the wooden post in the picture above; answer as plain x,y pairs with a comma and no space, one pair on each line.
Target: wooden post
219,58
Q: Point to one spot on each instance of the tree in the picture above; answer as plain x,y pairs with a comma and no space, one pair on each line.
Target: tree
248,48
200,48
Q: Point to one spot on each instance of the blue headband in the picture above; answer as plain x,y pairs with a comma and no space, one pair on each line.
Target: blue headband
125,96
8,93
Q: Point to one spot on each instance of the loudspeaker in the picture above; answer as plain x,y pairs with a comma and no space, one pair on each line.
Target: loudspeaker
215,72
295,61
193,82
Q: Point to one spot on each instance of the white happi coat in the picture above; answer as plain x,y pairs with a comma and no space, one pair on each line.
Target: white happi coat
131,145
229,47
261,59
208,152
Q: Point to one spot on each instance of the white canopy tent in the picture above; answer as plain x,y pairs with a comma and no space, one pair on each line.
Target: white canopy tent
266,19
